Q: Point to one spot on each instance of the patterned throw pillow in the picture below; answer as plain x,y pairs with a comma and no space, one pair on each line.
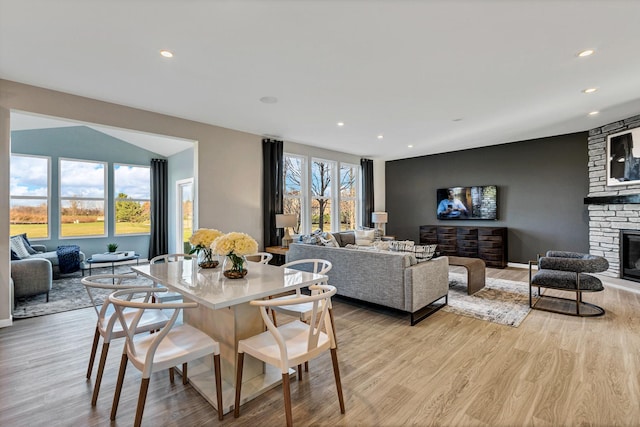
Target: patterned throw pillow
424,253
18,246
401,245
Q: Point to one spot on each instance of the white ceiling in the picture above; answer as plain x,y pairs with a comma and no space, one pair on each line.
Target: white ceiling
409,70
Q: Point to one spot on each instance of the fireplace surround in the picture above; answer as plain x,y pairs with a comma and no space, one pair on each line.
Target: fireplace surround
612,209
630,255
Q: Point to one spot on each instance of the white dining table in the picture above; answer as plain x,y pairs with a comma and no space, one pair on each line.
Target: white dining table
225,314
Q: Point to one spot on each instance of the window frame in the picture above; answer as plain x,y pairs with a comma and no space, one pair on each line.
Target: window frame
105,198
304,190
116,199
47,198
335,198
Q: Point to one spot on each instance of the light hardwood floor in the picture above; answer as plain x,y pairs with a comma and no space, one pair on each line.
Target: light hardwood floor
448,370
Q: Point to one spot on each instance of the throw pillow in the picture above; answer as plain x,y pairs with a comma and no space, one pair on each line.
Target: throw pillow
327,239
18,246
347,238
27,243
365,237
14,256
401,245
424,253
377,232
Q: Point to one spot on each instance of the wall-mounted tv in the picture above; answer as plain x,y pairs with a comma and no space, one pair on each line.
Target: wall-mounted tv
468,202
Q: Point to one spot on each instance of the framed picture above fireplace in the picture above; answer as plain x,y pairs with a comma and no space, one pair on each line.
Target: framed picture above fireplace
623,158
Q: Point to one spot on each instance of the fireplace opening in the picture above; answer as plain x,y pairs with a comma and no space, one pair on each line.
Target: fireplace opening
630,255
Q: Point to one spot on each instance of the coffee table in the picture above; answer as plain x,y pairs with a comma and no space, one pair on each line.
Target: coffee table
92,261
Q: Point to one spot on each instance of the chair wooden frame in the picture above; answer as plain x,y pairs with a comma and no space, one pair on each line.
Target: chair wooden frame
152,353
108,326
296,342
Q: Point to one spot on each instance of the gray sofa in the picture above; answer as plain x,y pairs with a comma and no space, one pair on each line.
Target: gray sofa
384,278
31,276
52,256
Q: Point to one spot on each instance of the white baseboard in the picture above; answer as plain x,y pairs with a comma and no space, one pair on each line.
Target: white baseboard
6,322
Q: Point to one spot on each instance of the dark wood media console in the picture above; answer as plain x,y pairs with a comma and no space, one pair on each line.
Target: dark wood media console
487,243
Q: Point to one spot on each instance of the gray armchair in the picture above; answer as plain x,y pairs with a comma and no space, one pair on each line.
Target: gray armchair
31,276
567,271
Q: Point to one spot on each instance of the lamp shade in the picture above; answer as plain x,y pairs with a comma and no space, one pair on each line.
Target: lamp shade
379,217
286,220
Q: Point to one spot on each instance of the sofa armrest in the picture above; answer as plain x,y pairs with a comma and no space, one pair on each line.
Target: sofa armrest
426,282
31,276
39,248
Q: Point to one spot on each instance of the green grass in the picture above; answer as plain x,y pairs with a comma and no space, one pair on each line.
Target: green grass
35,231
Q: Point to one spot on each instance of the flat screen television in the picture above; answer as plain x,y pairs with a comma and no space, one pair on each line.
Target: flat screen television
467,202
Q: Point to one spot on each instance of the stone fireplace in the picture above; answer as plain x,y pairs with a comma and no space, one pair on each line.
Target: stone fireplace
612,208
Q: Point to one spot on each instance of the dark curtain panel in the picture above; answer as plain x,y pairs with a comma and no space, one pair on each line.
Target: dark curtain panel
272,181
158,241
367,191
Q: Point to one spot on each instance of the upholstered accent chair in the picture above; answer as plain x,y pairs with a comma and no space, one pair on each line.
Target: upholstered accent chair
566,272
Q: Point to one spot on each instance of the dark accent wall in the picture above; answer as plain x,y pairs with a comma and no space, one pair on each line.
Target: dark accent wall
541,183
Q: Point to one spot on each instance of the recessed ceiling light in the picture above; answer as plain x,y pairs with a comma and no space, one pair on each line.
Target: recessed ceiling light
587,52
380,136
166,53
459,119
590,90
409,146
269,99
340,124
593,113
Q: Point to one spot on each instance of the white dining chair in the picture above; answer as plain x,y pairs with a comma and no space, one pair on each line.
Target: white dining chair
171,296
302,311
108,327
293,343
261,257
171,346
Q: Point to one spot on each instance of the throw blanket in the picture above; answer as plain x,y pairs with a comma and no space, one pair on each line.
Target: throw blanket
68,258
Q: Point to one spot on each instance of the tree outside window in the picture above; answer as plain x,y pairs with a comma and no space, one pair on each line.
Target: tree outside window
82,198
293,196
132,187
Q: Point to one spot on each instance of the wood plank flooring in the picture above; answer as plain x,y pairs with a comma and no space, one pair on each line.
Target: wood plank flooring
448,370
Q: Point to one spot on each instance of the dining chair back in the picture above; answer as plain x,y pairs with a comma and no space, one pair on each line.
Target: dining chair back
170,296
303,311
293,343
107,325
261,257
173,345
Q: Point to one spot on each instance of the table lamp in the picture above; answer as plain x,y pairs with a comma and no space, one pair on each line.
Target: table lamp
285,221
379,219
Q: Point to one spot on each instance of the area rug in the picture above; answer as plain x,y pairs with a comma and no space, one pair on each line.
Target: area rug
501,301
67,293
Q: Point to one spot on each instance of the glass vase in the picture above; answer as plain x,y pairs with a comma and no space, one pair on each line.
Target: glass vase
205,259
234,266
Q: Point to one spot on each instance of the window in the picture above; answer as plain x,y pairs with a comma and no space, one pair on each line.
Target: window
294,186
29,196
82,198
311,192
132,199
321,194
348,196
